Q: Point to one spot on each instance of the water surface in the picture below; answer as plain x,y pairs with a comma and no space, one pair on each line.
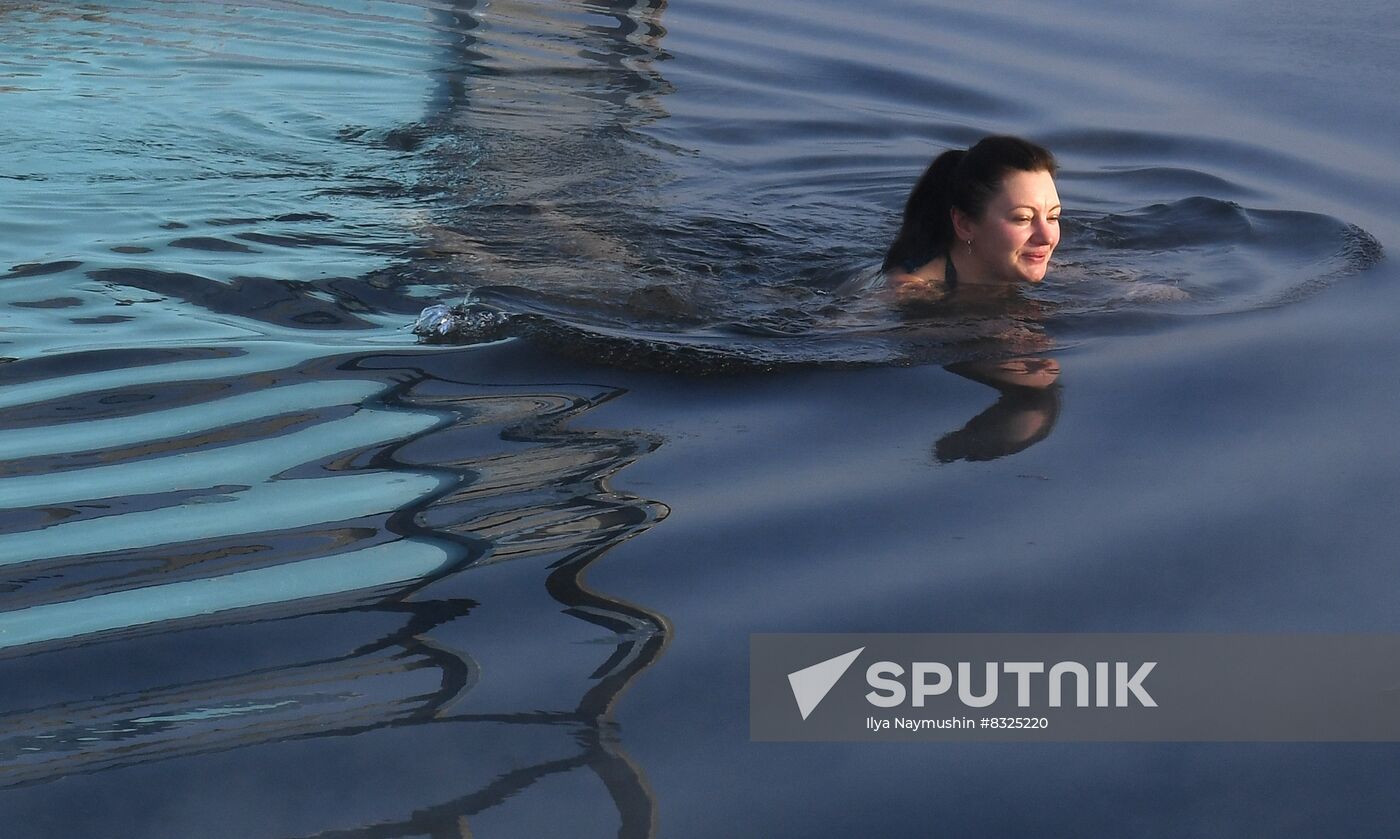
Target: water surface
274,568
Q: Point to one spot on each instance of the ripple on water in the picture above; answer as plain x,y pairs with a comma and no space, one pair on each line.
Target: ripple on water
1194,256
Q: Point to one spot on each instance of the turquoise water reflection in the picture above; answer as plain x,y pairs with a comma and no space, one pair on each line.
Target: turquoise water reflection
233,524
207,141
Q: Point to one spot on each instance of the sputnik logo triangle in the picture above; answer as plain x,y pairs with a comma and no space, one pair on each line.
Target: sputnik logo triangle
810,685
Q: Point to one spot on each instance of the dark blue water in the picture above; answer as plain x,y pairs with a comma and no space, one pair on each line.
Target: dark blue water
274,568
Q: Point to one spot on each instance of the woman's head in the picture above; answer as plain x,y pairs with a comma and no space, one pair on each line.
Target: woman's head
964,193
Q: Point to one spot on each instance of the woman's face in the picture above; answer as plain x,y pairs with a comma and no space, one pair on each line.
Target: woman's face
1015,236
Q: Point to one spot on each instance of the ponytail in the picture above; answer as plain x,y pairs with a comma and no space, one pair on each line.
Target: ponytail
928,222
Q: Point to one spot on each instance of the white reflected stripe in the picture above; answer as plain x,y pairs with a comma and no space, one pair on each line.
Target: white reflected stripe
258,358
387,564
177,422
246,463
275,505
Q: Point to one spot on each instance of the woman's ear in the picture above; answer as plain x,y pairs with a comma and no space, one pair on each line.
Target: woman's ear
962,224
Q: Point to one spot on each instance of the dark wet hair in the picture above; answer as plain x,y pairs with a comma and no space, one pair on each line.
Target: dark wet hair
962,178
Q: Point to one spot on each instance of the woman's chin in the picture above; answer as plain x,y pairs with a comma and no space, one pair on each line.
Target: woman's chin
1034,272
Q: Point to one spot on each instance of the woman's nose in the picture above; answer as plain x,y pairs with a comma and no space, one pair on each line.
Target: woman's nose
1044,232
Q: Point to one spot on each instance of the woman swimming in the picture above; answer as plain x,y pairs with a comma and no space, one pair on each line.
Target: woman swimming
985,217
977,224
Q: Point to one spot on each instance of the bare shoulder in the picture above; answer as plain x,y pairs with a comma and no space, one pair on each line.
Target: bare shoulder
922,285
931,271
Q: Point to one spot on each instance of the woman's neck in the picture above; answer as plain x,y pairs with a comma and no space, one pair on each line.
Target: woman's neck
971,272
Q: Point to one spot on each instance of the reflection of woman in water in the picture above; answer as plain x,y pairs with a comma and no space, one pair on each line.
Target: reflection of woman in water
978,224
